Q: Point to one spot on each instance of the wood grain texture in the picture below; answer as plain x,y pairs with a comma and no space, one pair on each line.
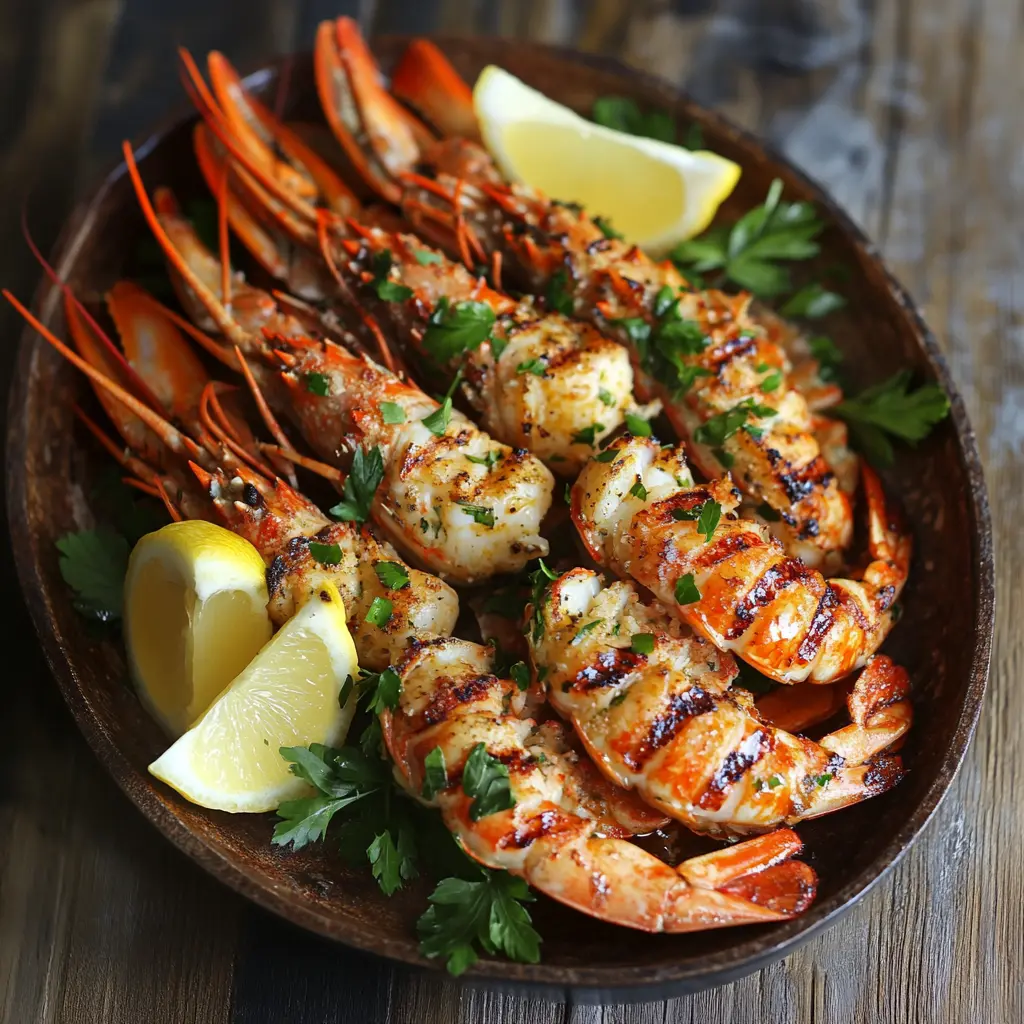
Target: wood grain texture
909,112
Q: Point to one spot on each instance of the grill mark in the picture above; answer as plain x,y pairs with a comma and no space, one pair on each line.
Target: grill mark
536,828
723,548
775,579
737,763
681,708
276,572
611,667
824,619
447,698
798,483
883,773
730,351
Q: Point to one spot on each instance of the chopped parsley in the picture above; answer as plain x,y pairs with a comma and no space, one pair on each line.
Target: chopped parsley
558,295
535,366
480,514
490,460
455,330
717,429
435,774
379,612
392,575
588,435
824,350
93,563
325,554
606,397
604,225
663,345
637,425
686,591
318,384
639,491
424,257
812,302
642,643
364,477
707,522
520,675
486,780
437,421
392,412
585,629
539,580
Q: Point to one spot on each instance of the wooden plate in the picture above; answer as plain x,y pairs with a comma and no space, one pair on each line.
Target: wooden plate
944,638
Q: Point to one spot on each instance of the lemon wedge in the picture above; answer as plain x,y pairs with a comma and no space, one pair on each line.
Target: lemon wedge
195,614
654,193
287,696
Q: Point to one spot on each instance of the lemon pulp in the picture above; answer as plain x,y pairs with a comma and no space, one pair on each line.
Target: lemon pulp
288,695
189,650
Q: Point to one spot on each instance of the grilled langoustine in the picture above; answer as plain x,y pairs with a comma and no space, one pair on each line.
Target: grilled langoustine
452,498
219,475
655,708
638,511
538,379
556,830
724,382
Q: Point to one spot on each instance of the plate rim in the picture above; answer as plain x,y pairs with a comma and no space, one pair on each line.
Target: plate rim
632,983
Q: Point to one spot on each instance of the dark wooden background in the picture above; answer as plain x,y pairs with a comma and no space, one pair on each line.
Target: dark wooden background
911,113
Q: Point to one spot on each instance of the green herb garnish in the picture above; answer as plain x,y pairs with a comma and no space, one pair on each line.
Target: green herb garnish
642,643
318,384
364,477
486,780
379,612
325,554
392,575
686,590
392,412
750,253
892,409
93,563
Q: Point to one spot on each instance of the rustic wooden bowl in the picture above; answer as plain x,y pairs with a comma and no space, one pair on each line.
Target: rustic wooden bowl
944,638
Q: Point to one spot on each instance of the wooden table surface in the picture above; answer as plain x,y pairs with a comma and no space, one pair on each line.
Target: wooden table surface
911,113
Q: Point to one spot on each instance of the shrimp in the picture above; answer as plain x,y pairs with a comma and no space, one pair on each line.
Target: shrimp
540,829
639,514
725,384
653,706
451,498
538,379
216,476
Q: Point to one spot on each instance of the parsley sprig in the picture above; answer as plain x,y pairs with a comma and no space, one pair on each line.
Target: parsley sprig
892,409
361,485
752,252
455,330
487,910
